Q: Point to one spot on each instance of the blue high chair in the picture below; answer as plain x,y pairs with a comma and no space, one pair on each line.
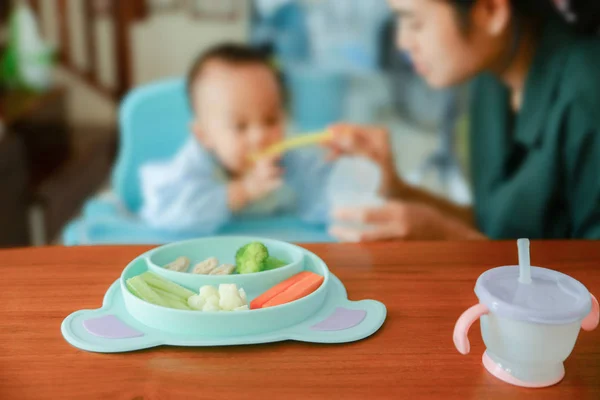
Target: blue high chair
154,123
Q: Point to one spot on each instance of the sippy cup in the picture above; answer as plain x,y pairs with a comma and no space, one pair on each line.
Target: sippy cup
530,319
354,182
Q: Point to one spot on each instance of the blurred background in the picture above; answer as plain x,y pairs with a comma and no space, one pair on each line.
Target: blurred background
68,64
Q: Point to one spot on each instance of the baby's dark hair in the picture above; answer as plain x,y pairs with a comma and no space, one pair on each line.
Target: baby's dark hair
232,54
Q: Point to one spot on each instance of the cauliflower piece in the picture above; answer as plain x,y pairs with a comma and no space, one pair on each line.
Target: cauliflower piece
196,302
229,297
181,264
210,307
208,291
226,298
243,295
214,299
206,266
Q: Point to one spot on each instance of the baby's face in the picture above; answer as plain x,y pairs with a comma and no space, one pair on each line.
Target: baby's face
239,111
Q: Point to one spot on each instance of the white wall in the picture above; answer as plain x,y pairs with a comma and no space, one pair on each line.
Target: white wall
164,45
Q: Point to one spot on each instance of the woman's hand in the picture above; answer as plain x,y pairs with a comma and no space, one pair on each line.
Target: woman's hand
368,141
400,221
372,143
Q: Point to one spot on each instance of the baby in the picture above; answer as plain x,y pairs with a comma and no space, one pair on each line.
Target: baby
238,105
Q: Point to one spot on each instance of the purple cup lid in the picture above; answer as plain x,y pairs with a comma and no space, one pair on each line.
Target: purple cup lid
551,297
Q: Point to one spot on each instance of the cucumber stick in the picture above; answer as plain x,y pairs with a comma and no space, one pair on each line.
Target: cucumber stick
132,288
141,289
169,295
172,300
176,304
158,282
144,291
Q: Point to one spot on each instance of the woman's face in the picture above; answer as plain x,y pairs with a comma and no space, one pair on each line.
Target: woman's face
444,52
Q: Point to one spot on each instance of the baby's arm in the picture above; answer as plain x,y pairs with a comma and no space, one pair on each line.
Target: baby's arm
184,195
183,202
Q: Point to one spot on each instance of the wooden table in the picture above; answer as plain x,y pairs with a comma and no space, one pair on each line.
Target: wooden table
425,287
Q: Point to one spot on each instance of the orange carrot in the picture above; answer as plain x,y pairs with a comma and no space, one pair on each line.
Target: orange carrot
297,291
277,289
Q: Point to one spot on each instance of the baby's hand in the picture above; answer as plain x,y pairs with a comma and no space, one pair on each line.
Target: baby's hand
264,178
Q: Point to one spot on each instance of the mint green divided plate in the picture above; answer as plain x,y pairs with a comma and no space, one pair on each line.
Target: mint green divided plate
127,323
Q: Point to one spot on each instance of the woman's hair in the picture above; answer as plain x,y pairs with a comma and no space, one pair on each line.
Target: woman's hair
583,15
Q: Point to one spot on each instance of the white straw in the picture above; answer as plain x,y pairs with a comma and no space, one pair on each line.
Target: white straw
524,261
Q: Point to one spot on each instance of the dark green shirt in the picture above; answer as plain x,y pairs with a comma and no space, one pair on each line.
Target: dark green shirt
536,173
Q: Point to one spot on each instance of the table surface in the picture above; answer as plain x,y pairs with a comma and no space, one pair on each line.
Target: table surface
425,287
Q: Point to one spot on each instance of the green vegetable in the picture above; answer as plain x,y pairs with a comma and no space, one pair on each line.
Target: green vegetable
239,254
177,304
145,287
169,296
132,288
274,263
161,283
144,291
252,258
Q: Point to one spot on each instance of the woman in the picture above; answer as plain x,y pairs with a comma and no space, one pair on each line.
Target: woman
535,123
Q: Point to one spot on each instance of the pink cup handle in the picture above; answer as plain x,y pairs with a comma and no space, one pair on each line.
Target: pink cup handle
591,321
461,330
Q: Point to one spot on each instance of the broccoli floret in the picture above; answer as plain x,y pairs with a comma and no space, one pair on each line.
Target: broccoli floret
274,263
239,254
251,258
